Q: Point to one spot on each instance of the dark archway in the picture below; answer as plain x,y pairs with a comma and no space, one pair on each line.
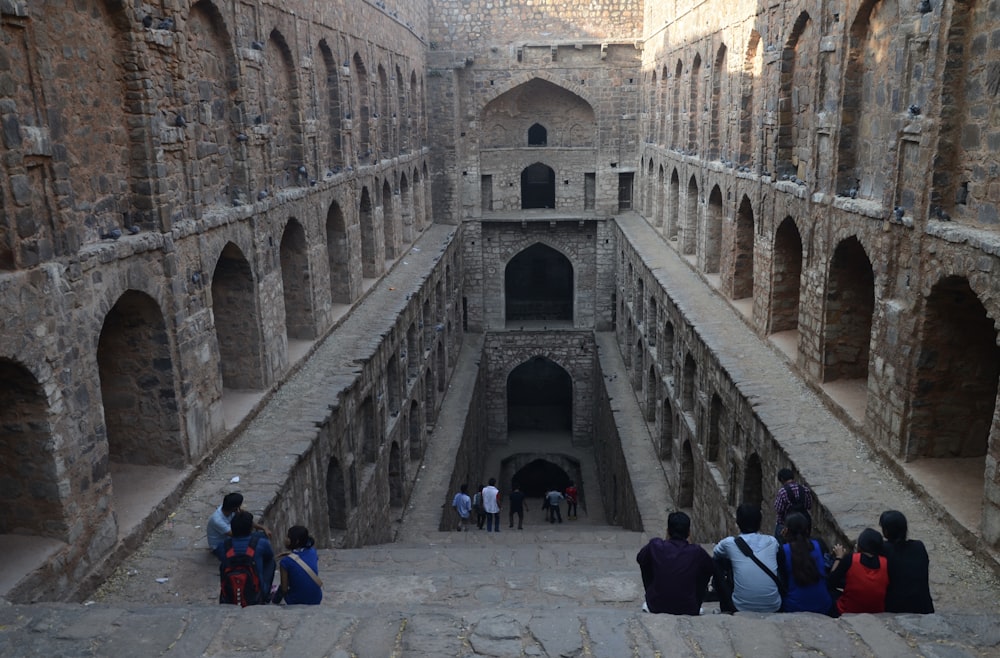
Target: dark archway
850,305
753,481
539,397
538,135
538,187
295,282
30,495
234,306
338,255
336,505
538,285
395,476
539,477
786,277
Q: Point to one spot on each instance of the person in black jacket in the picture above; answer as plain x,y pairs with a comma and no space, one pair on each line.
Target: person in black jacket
909,587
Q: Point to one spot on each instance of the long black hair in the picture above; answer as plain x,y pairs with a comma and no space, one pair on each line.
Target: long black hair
804,569
298,537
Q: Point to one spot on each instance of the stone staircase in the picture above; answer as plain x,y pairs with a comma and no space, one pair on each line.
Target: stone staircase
562,590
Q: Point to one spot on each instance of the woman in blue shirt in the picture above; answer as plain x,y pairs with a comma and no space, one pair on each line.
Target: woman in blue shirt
802,568
298,585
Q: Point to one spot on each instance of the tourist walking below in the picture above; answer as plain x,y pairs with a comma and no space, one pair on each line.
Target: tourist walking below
909,587
675,574
791,497
463,507
477,505
571,494
518,507
491,505
553,499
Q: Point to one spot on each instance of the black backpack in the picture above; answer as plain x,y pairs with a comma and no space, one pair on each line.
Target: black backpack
240,582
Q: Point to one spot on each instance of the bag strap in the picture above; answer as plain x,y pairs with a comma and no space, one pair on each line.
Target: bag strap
305,567
746,550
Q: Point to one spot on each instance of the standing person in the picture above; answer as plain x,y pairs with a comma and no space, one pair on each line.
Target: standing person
246,564
675,573
754,581
571,496
863,574
491,505
791,497
517,506
477,504
554,498
299,570
909,587
463,507
803,570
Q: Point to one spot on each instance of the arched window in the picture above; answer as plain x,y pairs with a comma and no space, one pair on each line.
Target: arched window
538,135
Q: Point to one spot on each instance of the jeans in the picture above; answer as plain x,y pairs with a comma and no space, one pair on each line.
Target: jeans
520,519
493,522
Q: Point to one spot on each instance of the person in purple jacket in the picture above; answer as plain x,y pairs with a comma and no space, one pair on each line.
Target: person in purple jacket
675,573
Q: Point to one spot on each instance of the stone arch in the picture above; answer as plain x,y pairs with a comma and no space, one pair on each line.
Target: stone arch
957,365
795,100
646,188
675,123
539,285
138,387
863,147
368,430
659,209
383,108
719,71
786,278
538,135
371,265
539,396
714,217
689,383
336,499
694,110
406,213
753,481
533,101
529,83
415,427
667,348
413,142
338,253
296,282
284,145
396,476
362,110
662,109
390,221
400,125
673,214
330,109
716,422
850,305
638,364
667,431
237,321
393,386
652,394
428,198
538,186
685,488
420,217
31,500
430,408
689,232
441,367
743,251
535,474
753,68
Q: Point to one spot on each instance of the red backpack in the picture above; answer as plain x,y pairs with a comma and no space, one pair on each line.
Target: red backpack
238,574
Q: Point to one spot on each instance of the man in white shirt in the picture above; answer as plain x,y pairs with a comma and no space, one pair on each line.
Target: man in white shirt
491,503
753,589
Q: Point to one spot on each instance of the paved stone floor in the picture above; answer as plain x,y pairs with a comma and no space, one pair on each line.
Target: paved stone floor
568,589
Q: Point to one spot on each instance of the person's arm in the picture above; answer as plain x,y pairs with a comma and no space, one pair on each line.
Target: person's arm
782,568
841,563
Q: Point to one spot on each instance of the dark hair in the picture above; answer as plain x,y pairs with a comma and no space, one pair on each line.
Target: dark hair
678,525
804,569
493,481
242,524
232,502
893,526
298,537
464,488
870,541
748,517
785,474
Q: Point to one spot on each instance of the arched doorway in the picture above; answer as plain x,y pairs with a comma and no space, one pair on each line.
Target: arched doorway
539,397
538,285
234,306
538,187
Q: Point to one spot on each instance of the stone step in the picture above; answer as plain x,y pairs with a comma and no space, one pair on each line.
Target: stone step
569,629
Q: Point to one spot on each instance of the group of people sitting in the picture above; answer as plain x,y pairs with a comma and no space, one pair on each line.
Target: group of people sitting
247,562
756,572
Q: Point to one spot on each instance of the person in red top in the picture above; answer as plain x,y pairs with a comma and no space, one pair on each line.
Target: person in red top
863,574
571,496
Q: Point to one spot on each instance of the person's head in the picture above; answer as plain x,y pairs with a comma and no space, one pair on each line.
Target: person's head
785,475
493,482
464,488
678,525
232,502
298,537
242,524
797,526
748,517
870,541
893,526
